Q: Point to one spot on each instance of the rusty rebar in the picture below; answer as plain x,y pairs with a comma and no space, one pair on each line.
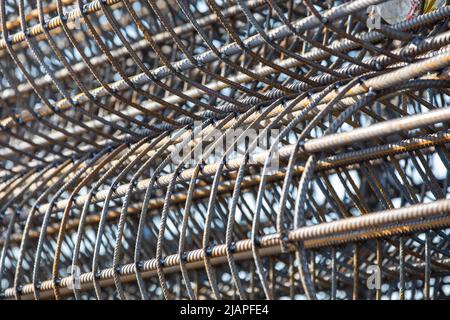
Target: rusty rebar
250,149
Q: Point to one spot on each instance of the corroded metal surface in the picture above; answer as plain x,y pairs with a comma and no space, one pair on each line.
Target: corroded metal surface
100,100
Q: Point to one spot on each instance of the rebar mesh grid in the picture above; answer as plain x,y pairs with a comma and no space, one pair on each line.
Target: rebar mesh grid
98,96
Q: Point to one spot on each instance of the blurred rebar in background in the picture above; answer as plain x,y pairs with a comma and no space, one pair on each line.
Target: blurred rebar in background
99,98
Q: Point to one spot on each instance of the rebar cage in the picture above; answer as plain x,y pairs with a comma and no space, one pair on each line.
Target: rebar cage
98,96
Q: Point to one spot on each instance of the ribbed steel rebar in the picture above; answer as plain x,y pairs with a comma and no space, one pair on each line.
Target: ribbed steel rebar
242,149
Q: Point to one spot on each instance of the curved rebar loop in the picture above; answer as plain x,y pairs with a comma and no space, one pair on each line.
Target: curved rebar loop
17,120
111,189
38,56
72,15
316,44
146,200
12,134
60,55
378,62
306,39
172,69
260,31
401,253
85,210
222,57
428,18
31,214
173,179
326,23
11,182
330,15
103,47
79,172
287,181
111,91
423,20
236,190
315,100
105,50
9,193
261,188
200,162
334,126
107,157
216,94
198,167
154,8
199,66
224,21
32,83
368,99
306,176
184,224
113,22
186,214
248,14
124,210
17,208
153,44
349,156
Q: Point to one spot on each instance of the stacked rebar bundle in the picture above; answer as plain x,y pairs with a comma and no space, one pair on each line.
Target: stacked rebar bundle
110,113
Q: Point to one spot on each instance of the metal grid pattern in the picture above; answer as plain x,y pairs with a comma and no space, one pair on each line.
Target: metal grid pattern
97,96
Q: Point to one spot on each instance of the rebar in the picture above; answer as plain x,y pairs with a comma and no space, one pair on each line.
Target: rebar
239,149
